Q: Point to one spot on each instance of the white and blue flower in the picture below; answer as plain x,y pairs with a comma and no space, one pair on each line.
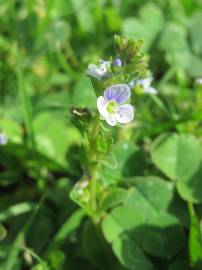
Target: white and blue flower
117,62
3,139
199,81
100,71
113,106
145,84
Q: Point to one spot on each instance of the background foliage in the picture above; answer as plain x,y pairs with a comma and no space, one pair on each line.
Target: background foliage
153,205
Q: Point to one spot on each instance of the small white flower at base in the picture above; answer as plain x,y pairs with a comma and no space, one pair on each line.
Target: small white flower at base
112,106
100,71
3,139
146,85
199,80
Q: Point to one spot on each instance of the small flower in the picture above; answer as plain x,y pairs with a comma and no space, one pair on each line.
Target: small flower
117,62
146,85
3,139
199,80
99,71
112,105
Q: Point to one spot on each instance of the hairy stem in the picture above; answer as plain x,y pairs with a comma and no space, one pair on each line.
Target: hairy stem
93,164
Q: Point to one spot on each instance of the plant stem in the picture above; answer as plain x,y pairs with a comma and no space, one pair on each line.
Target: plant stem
93,164
93,192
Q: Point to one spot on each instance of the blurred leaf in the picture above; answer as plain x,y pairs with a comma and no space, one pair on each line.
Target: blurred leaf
17,209
83,95
94,247
195,32
110,161
113,198
83,12
145,27
3,232
174,41
195,66
58,34
41,266
133,28
56,260
130,161
12,129
147,14
113,19
53,137
179,265
179,157
70,225
195,239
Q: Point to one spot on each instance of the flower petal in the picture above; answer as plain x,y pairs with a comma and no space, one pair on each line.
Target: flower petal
102,106
150,90
145,83
125,114
118,92
111,120
93,71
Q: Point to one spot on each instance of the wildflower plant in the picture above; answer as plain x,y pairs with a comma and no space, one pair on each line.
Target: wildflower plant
115,84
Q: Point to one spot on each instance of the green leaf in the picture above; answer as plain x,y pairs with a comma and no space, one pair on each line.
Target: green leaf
195,66
174,42
58,34
70,225
56,260
180,158
195,32
12,129
3,232
110,161
83,12
161,231
116,227
145,27
130,255
154,193
133,28
17,209
195,239
147,13
113,198
94,247
179,265
49,137
41,266
83,95
145,219
130,162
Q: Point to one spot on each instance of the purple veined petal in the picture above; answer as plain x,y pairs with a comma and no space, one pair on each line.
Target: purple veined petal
111,119
118,92
150,90
102,106
125,114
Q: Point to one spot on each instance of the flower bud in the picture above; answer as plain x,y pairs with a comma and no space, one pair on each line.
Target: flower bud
117,62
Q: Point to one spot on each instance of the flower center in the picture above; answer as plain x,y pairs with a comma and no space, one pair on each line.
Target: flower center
111,106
